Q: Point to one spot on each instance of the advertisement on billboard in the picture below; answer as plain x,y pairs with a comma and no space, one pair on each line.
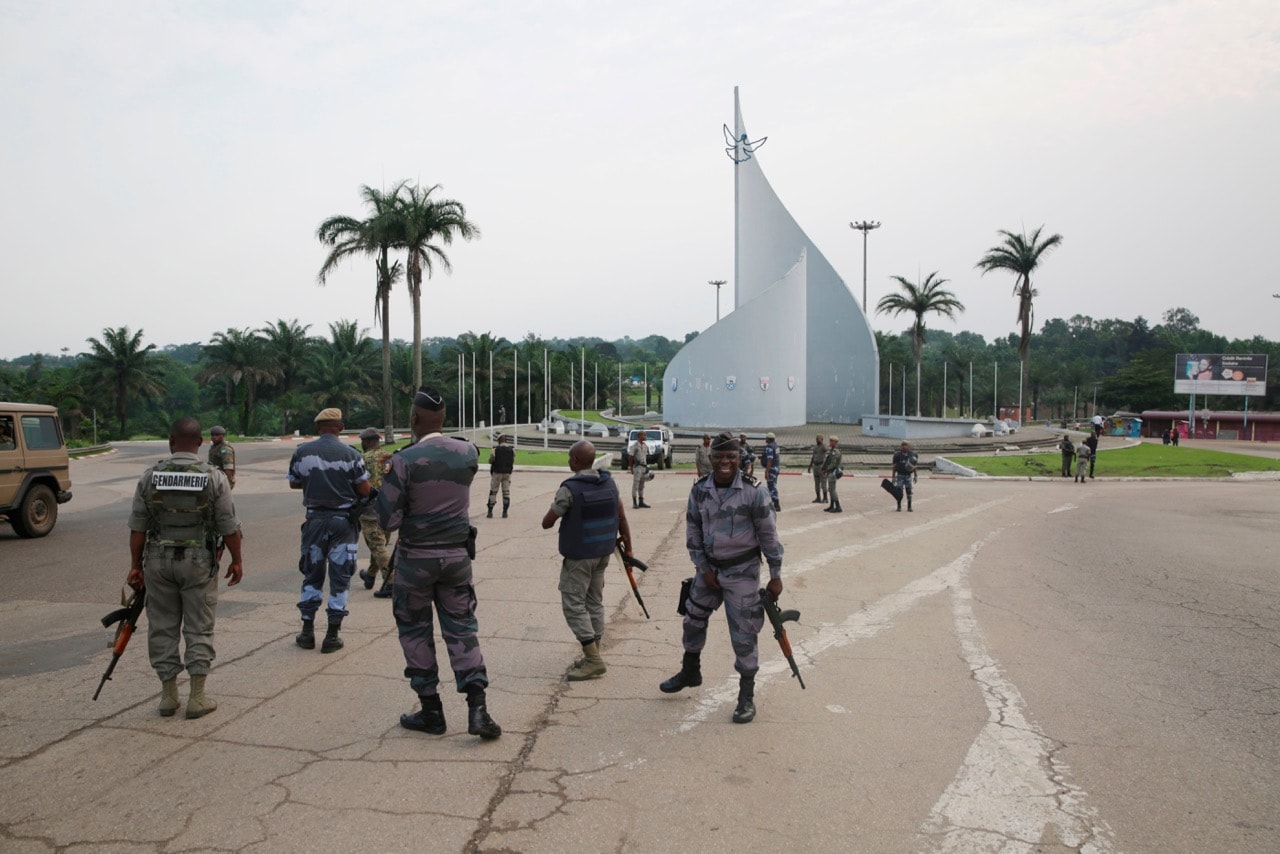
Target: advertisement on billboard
1220,373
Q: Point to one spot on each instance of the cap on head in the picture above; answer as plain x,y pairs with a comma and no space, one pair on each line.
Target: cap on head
770,436
370,433
725,442
331,413
217,430
502,438
427,397
833,439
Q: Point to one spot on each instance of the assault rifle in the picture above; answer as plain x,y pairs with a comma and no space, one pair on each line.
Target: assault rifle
777,618
128,619
627,564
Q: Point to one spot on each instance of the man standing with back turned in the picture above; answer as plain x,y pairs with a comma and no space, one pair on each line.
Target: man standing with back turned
502,462
332,477
426,496
179,506
728,525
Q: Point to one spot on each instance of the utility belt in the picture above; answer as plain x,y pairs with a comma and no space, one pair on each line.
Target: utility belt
725,563
178,549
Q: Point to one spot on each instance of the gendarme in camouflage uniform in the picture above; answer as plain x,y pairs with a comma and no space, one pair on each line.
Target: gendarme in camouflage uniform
374,537
831,471
727,530
426,496
222,455
816,457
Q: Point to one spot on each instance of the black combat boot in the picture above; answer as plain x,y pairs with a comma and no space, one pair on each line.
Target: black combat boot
331,642
428,719
746,710
368,578
899,505
489,515
909,504
777,506
690,675
506,504
478,720
307,637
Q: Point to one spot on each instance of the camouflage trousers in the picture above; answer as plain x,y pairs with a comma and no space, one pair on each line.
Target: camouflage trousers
740,593
503,480
771,481
442,584
582,596
905,482
182,592
329,546
376,539
819,484
639,474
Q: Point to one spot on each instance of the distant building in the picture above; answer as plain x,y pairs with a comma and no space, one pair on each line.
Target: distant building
796,348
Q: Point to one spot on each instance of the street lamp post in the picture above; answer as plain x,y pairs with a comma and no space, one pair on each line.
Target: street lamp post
717,283
864,227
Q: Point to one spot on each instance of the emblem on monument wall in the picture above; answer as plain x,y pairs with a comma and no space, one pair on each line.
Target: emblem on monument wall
791,383
764,383
730,383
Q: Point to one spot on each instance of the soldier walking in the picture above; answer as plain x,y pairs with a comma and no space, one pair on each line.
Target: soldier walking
591,518
832,471
375,538
332,477
426,496
1084,454
222,455
904,472
726,557
818,455
702,456
180,506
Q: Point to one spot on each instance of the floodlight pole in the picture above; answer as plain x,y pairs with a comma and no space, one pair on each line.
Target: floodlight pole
864,227
717,284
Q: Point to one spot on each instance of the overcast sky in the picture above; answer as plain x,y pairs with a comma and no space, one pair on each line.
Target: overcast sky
165,164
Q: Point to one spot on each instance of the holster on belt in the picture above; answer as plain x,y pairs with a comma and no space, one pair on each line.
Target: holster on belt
725,563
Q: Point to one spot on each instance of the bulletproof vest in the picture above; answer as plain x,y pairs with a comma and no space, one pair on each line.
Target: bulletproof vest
181,506
504,459
590,528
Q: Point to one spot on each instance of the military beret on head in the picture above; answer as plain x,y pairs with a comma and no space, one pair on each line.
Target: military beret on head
333,413
218,431
833,439
428,398
725,442
770,436
370,433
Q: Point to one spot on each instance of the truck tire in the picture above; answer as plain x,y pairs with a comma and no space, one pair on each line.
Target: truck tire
38,513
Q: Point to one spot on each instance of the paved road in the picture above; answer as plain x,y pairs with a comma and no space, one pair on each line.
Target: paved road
1015,666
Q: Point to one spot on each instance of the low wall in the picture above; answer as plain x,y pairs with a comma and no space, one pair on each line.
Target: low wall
908,427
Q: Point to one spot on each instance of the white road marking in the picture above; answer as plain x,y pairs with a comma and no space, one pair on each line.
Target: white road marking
1012,793
1064,508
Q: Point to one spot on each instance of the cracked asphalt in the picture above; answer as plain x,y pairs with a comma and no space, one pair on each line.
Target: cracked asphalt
1015,666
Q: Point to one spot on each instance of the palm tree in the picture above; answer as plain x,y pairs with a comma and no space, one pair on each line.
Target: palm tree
121,367
417,221
919,300
1021,256
288,346
341,371
239,356
373,236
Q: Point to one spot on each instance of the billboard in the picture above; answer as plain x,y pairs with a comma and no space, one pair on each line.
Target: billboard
1220,373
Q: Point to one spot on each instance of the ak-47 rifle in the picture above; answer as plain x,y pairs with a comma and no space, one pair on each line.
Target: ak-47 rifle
777,618
128,619
627,564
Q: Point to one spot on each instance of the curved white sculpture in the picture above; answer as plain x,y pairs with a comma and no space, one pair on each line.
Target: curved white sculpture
796,348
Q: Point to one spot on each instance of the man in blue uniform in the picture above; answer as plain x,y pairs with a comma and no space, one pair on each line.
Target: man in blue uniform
332,477
728,526
426,496
772,458
592,517
904,473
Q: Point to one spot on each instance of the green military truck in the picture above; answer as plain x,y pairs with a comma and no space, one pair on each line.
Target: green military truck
35,473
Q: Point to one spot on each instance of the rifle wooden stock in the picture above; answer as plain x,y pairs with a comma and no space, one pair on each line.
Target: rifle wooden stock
777,618
627,563
128,618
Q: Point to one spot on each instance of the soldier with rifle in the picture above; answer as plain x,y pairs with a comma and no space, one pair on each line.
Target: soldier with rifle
729,525
180,507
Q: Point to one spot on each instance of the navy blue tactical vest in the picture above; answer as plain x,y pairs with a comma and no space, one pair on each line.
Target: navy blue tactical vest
590,528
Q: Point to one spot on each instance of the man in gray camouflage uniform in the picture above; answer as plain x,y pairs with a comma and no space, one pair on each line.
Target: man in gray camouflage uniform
729,523
426,496
816,457
638,454
179,506
222,455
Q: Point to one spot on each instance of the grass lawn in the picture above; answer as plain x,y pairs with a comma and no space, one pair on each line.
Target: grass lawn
1145,460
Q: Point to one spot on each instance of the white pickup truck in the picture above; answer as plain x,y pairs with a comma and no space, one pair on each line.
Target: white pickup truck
657,442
